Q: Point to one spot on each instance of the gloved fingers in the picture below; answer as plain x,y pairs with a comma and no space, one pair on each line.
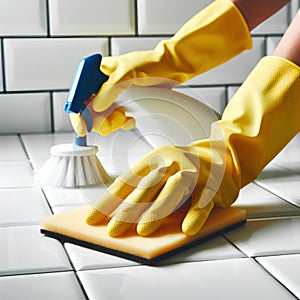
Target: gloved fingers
117,192
78,124
197,215
117,119
139,200
110,120
129,123
107,95
103,208
175,191
101,125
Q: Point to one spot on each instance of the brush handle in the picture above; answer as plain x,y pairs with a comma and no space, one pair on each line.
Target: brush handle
81,141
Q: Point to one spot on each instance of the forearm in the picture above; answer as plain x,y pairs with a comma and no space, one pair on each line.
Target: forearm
289,45
257,11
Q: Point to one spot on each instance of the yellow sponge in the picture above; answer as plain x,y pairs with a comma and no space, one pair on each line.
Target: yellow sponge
71,227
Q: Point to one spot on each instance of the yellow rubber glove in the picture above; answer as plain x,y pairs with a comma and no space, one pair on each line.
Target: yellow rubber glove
104,122
258,122
214,35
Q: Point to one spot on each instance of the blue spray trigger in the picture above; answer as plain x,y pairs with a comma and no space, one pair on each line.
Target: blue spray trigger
87,81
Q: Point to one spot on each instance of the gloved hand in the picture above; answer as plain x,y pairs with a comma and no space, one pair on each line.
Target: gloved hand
214,35
104,122
258,122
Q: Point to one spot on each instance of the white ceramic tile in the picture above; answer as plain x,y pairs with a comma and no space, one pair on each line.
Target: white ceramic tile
235,70
122,45
282,182
163,17
223,279
38,64
289,156
25,113
62,209
214,97
92,18
38,145
61,118
277,23
15,174
231,91
22,206
272,43
259,202
19,19
87,259
288,189
25,250
11,149
268,236
286,268
73,196
49,286
294,7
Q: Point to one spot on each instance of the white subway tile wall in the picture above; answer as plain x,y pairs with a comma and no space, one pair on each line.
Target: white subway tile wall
17,19
78,17
42,42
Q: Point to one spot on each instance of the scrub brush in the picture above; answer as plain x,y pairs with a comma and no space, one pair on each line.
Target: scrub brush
76,165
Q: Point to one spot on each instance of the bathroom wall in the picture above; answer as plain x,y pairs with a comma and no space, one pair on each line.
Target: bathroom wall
43,40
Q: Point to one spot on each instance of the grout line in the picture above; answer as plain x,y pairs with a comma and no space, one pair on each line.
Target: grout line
38,272
52,118
48,18
3,65
75,272
47,201
35,91
109,45
24,147
136,22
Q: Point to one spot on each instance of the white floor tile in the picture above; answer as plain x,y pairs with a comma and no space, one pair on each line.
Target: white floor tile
87,259
11,149
214,249
73,197
259,202
282,182
25,250
22,206
61,209
286,268
15,174
38,146
225,279
62,285
288,189
268,236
